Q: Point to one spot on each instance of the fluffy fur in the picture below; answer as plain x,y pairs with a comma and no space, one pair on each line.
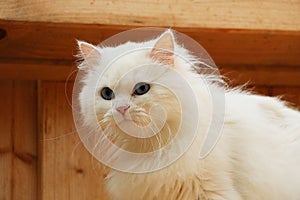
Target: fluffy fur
257,156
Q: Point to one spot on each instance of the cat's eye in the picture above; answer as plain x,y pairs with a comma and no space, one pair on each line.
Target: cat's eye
141,88
107,94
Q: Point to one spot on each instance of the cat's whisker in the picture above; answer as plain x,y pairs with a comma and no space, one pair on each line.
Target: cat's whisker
142,120
94,148
169,132
58,137
108,114
155,132
104,120
87,136
78,129
66,88
101,147
90,133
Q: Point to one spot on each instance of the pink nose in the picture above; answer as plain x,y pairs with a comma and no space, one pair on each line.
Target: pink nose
122,109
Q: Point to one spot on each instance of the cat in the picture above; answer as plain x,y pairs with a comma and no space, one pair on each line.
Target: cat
256,157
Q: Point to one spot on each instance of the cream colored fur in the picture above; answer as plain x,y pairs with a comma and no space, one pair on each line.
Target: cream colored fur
257,156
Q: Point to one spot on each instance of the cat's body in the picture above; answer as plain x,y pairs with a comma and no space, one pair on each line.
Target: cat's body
256,157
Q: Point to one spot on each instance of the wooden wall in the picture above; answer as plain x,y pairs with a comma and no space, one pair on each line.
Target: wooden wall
18,140
41,156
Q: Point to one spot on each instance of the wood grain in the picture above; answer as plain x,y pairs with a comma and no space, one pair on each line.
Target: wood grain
18,155
57,41
67,170
44,51
25,140
6,126
247,14
6,117
6,191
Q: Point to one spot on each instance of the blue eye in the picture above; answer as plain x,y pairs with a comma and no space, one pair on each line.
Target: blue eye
107,94
141,88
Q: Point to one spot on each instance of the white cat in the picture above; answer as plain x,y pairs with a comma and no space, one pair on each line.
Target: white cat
256,157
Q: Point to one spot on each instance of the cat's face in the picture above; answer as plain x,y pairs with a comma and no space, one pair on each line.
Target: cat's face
127,94
144,98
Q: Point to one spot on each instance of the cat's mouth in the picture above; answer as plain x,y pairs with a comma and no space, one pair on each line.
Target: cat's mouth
137,132
140,120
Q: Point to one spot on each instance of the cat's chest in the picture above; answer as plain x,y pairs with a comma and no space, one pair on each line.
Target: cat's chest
155,186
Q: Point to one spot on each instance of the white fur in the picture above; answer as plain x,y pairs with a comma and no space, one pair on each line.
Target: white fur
257,156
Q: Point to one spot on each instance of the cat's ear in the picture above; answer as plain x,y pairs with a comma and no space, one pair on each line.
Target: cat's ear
163,50
89,53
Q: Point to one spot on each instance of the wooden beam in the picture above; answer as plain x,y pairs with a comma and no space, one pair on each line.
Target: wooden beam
228,14
44,51
34,40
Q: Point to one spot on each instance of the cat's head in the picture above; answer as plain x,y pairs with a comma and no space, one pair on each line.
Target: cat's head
130,88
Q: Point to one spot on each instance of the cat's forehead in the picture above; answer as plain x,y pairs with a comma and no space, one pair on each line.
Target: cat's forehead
110,53
127,68
126,64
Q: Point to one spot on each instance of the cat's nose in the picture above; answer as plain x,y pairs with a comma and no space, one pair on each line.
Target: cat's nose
122,109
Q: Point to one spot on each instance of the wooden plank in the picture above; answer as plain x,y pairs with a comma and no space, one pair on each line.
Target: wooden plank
45,51
6,192
6,117
25,140
18,140
247,14
6,106
290,94
67,170
57,41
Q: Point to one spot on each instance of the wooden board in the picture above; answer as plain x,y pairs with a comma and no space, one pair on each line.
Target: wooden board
246,14
45,51
25,140
6,88
56,41
18,155
67,170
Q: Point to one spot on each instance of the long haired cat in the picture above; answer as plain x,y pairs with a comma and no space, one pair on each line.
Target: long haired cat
256,157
